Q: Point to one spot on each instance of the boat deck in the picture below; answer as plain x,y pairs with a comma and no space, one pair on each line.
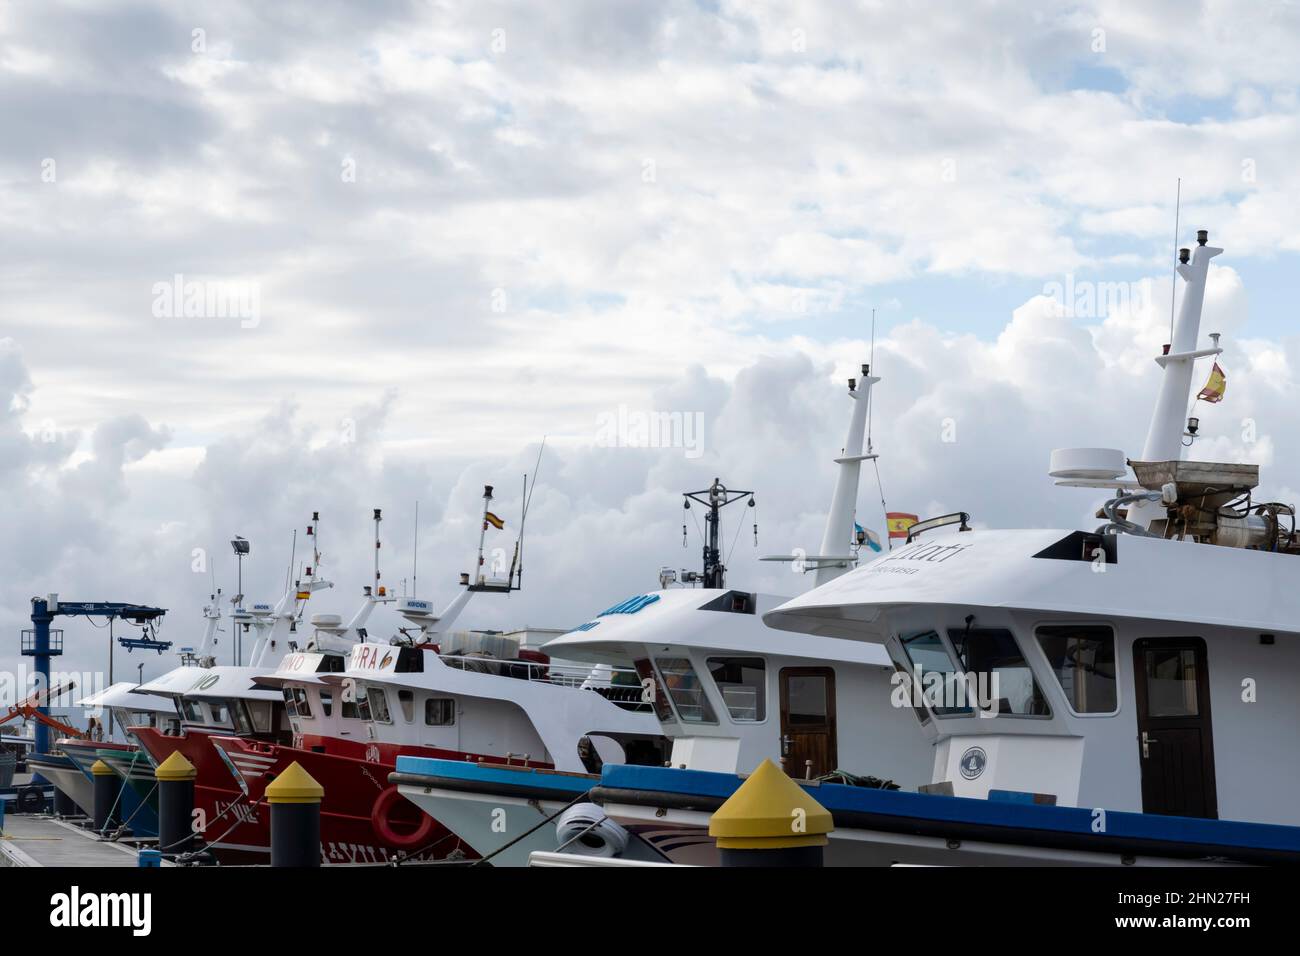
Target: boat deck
44,841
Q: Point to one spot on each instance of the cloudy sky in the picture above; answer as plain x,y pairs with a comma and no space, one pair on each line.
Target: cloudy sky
445,230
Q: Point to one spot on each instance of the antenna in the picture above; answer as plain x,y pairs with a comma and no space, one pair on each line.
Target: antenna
871,363
415,554
378,518
293,555
523,515
1173,279
715,497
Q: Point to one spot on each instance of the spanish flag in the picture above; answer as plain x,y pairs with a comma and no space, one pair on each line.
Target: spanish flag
899,522
304,595
490,519
1215,387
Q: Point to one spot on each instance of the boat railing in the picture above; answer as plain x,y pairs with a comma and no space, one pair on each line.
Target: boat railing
619,685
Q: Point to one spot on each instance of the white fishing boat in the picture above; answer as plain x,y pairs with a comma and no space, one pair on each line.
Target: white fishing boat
728,692
212,699
355,705
1118,695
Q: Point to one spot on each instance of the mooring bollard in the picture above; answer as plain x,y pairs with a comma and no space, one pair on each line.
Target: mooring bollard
175,777
107,787
148,858
295,817
770,821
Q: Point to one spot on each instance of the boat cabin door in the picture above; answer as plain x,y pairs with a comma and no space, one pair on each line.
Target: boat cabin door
807,721
1175,744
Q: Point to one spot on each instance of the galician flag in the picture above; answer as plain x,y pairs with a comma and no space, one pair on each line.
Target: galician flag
872,539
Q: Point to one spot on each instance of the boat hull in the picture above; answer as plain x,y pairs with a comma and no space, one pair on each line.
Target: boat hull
352,785
66,777
667,811
139,799
234,828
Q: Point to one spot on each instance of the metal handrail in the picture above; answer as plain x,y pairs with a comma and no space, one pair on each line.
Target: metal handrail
601,679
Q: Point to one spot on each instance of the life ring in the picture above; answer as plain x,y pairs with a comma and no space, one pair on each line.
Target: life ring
31,800
379,814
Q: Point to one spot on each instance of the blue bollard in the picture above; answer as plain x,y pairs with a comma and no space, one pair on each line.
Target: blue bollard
149,858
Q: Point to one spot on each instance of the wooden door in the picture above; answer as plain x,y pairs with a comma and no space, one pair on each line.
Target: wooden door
808,721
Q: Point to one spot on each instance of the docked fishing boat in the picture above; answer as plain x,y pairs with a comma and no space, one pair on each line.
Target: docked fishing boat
727,691
213,699
409,698
332,741
355,704
1087,696
126,709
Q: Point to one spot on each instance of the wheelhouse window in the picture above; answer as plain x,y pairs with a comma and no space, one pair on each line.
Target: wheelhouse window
1003,676
326,702
1170,681
378,705
807,699
685,690
406,701
653,689
929,656
440,712
259,711
220,712
243,725
296,702
742,683
192,711
1082,656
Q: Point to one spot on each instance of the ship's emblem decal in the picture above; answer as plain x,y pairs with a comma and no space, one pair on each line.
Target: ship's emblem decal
386,661
973,762
372,754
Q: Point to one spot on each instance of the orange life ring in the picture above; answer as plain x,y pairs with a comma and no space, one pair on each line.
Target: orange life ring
384,828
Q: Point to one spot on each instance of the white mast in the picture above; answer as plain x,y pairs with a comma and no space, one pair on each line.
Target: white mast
212,615
839,520
1169,421
272,627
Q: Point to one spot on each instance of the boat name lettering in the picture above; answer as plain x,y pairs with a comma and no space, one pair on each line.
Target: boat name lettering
631,605
371,657
934,553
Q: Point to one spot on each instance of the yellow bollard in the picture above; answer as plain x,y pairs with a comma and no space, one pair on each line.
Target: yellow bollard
295,799
175,777
771,821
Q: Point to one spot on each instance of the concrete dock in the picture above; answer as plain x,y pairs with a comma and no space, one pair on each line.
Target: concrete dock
41,840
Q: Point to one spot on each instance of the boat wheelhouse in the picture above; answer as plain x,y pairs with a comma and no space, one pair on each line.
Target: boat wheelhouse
1111,696
728,691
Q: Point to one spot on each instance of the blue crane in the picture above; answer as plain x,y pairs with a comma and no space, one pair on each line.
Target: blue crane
42,643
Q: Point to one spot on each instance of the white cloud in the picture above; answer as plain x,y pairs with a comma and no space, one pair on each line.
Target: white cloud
465,239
